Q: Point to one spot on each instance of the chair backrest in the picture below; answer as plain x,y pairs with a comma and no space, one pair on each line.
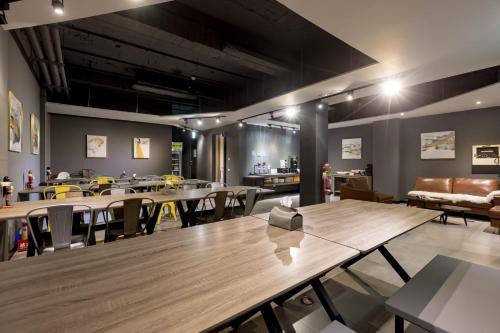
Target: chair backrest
103,180
215,185
252,195
99,188
173,180
117,191
220,199
72,194
61,225
347,192
130,213
60,191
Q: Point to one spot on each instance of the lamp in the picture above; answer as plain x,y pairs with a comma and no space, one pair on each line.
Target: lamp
58,6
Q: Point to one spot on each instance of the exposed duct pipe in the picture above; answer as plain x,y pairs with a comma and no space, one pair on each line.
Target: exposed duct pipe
57,47
48,46
39,54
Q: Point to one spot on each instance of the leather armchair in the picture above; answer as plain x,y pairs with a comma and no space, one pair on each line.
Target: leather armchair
348,191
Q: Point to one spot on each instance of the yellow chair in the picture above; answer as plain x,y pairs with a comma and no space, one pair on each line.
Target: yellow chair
173,182
103,180
60,191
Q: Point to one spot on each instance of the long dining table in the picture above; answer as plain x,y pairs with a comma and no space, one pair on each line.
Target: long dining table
364,226
191,198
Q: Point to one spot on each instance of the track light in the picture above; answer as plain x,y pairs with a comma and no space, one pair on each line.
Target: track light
199,122
240,123
291,111
217,120
320,106
58,6
391,87
350,96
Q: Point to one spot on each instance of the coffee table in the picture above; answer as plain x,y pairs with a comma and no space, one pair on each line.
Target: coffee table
429,200
454,209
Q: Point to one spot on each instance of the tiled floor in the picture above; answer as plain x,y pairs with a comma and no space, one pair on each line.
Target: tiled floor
360,292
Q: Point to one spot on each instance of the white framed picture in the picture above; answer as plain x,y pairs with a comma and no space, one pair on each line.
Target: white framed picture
351,149
15,123
141,148
35,134
486,154
97,146
437,145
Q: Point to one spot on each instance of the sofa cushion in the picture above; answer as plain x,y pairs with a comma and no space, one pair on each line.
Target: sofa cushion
441,185
479,187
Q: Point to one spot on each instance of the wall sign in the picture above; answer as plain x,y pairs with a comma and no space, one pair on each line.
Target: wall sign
485,154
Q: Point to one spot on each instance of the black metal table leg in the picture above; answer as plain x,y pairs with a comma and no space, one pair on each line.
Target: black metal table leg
394,263
37,234
399,325
351,262
465,219
326,301
272,323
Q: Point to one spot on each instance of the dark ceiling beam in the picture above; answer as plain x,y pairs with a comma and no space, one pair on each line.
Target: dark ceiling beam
148,49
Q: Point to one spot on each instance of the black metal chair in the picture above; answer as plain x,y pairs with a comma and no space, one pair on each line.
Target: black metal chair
98,188
126,219
252,196
215,185
60,219
218,207
117,191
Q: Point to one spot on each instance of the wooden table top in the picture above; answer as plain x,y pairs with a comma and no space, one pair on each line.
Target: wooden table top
450,295
20,209
187,280
361,225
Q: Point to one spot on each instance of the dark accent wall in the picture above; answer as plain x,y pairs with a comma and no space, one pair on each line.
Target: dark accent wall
68,146
272,143
394,147
335,137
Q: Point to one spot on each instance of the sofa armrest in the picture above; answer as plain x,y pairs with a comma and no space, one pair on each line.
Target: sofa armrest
496,201
347,192
384,197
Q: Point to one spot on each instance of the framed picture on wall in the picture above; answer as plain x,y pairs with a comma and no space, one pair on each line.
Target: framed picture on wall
97,146
437,145
35,134
141,147
351,149
15,123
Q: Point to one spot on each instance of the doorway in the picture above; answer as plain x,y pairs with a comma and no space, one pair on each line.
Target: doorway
219,158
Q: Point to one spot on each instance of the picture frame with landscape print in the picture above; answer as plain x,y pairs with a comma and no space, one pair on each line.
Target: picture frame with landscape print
437,145
35,134
141,148
351,149
97,146
15,123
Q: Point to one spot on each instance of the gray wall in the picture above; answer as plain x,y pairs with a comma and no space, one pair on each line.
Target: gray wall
272,143
335,137
394,147
15,75
68,146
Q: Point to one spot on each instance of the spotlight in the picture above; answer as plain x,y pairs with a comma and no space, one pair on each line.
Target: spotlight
240,123
293,132
350,96
391,87
193,134
292,111
199,122
320,106
402,114
58,6
217,120
478,102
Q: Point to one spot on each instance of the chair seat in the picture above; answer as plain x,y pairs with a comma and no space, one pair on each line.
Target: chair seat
336,327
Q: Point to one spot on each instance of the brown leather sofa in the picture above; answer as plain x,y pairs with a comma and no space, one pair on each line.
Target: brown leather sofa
470,186
359,189
495,217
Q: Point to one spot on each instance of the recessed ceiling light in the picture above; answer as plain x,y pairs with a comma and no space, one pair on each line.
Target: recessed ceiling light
478,102
350,96
293,132
240,123
217,120
402,114
320,106
199,122
391,87
58,6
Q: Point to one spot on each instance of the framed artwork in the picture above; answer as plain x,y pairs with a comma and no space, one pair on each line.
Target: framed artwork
97,146
141,147
15,123
35,134
437,145
351,149
486,154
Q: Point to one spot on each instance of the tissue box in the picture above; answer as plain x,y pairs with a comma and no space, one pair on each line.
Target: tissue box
285,218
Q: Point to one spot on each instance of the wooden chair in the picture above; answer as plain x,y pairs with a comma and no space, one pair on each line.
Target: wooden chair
60,191
61,225
126,220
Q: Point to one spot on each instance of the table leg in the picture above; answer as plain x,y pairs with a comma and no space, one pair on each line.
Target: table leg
272,323
36,234
465,219
394,263
326,301
351,262
399,325
150,227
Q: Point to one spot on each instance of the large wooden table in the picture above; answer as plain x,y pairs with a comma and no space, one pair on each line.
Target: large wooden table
362,225
186,280
24,195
